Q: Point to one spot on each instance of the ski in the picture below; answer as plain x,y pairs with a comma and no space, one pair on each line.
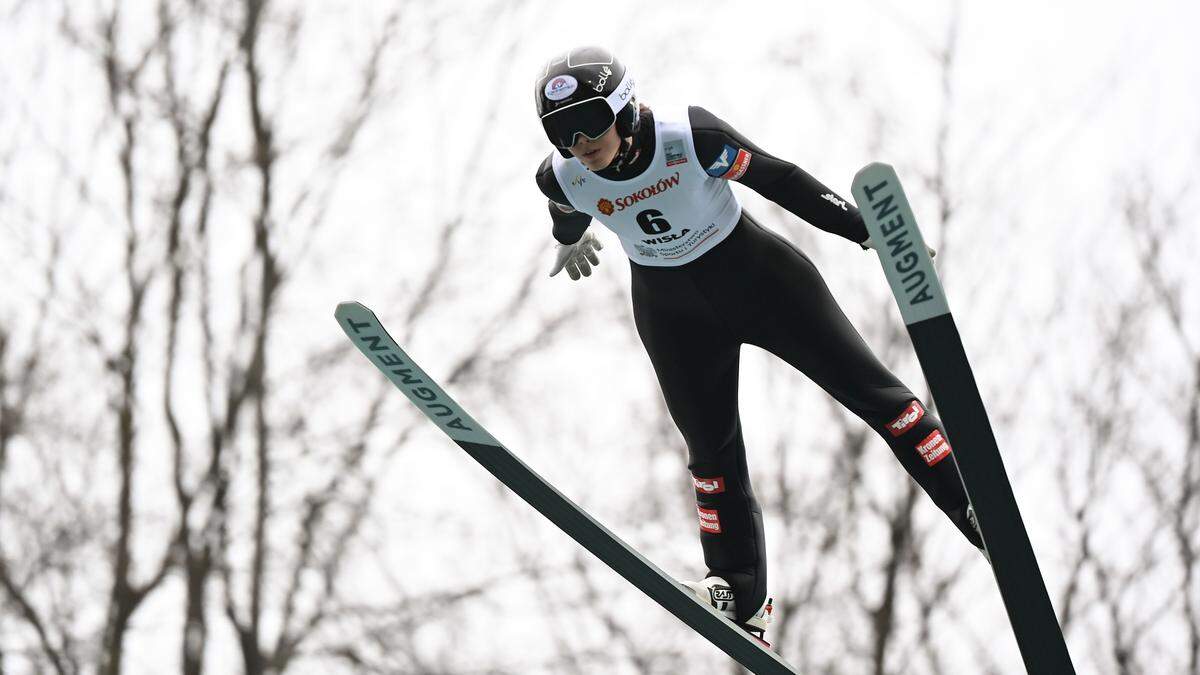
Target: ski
368,334
926,313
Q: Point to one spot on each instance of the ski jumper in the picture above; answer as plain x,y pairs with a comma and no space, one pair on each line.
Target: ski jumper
706,279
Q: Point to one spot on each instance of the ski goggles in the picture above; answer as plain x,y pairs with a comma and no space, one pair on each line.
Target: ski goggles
591,118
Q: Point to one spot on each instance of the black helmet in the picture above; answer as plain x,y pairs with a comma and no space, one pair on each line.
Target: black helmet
585,91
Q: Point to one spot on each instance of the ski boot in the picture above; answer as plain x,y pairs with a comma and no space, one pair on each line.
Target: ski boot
717,592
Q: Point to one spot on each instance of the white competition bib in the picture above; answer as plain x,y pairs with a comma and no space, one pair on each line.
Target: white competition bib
669,215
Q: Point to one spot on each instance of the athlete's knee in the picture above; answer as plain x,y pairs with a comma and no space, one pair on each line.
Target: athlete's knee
918,441
906,420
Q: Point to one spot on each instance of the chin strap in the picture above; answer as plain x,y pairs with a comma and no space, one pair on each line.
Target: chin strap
624,155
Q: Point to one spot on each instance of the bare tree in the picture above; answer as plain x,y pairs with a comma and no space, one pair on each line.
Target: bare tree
900,578
1148,368
21,373
259,555
1175,493
214,459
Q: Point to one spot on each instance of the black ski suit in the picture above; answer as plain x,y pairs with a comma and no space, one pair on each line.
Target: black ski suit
757,288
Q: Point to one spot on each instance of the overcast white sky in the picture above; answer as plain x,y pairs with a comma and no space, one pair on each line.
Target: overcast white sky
1054,106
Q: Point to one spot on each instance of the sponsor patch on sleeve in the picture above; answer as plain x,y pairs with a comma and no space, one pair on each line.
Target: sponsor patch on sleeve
709,486
907,419
709,520
731,164
934,448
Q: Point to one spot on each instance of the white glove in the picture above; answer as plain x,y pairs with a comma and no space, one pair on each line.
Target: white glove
575,257
932,251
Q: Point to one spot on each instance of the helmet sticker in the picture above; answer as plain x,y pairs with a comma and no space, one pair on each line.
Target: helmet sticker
602,79
561,87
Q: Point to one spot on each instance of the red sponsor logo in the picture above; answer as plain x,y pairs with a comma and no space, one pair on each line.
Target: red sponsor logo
605,206
934,448
739,166
907,419
647,192
709,486
709,520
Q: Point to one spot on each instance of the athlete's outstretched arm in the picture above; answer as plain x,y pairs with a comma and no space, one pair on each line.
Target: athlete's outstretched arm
569,224
720,150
